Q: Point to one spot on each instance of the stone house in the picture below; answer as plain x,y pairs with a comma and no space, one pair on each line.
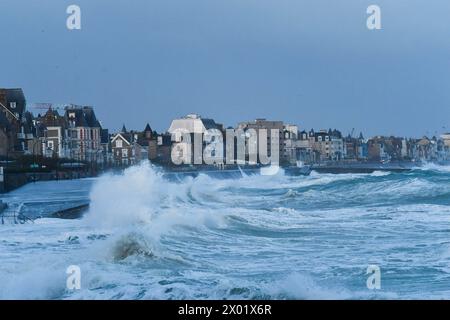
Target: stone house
16,128
83,133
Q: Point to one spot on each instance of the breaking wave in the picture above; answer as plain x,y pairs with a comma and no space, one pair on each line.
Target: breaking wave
434,167
252,237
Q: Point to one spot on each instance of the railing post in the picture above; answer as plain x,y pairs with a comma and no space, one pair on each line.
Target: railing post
2,180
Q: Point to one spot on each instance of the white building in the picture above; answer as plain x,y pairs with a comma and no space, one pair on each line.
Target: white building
202,133
446,138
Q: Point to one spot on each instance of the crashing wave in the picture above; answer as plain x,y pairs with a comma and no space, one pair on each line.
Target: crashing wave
430,166
131,244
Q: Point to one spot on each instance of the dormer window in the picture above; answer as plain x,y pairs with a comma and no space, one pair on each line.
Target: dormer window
12,105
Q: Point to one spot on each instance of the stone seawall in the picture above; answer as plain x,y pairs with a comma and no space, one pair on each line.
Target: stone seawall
363,167
11,181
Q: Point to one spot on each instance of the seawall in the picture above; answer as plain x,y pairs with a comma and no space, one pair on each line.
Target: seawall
10,181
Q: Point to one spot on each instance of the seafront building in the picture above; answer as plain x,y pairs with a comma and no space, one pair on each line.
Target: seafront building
446,139
196,129
290,146
53,132
83,134
355,149
16,127
274,134
74,133
131,147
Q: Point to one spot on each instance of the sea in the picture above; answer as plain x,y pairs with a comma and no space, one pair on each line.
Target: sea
248,237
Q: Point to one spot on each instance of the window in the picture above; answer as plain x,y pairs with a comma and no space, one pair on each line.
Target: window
119,143
50,145
124,153
12,105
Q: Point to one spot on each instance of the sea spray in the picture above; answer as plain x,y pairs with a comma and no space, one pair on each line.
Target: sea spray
429,166
129,198
261,237
139,206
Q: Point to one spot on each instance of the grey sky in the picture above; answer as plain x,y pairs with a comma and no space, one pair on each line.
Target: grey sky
313,63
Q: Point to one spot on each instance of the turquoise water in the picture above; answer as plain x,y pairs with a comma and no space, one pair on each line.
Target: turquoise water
254,237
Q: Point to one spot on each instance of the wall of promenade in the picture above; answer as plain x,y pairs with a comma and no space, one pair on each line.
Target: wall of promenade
11,181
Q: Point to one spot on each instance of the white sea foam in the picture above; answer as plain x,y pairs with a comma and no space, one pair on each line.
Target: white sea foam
300,286
274,237
380,173
429,166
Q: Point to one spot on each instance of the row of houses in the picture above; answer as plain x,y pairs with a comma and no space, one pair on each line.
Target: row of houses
74,132
323,145
331,145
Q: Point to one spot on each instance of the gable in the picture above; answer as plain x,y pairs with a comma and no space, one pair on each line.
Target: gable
120,137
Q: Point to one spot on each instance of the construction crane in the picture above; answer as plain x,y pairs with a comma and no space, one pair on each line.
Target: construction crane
46,105
41,105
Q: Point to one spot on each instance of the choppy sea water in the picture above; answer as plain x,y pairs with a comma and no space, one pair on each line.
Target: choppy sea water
254,237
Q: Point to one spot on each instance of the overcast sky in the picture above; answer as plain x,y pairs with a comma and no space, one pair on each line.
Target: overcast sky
309,62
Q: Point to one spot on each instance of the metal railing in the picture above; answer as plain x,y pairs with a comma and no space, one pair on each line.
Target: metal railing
15,216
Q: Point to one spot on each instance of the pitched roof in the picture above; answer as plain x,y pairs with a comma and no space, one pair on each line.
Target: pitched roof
51,112
210,124
91,119
76,116
83,117
16,95
51,118
124,136
147,128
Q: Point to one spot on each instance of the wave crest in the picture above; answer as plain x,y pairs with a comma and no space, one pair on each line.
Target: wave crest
131,244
